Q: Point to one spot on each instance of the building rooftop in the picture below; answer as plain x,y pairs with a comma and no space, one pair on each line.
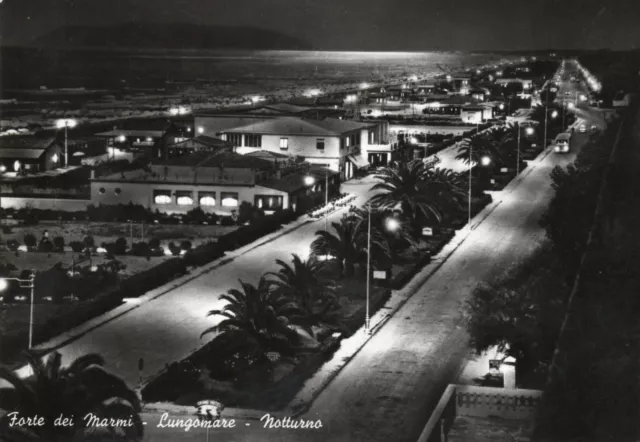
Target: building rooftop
25,142
27,154
218,159
131,133
295,181
299,126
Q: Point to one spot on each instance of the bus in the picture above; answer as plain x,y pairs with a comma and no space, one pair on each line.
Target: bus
562,143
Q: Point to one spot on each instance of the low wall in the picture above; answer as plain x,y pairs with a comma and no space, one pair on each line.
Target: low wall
70,205
470,400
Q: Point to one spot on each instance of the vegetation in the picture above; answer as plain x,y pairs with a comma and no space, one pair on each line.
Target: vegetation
75,391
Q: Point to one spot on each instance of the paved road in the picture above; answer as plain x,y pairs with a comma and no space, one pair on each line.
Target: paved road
387,391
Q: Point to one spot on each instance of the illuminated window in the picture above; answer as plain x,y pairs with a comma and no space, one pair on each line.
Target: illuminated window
162,197
207,198
320,143
346,142
184,198
284,143
268,202
229,199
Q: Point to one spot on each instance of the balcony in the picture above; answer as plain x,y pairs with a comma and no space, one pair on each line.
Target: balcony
381,148
482,414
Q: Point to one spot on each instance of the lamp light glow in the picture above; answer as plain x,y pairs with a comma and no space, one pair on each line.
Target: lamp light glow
485,161
309,180
392,224
529,131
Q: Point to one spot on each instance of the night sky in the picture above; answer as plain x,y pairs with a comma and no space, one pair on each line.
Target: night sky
384,25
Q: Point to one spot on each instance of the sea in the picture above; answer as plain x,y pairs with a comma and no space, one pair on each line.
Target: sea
28,69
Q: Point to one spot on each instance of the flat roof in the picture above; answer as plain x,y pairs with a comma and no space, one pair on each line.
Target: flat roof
131,133
218,159
204,140
301,126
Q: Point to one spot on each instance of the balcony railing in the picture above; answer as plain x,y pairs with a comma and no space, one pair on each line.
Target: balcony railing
479,402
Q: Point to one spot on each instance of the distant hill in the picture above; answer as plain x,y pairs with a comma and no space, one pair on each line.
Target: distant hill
168,36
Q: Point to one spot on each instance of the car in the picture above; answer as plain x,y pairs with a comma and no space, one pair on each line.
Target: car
582,128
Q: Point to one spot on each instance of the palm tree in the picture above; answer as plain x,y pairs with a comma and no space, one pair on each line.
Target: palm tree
403,187
445,188
381,238
303,282
75,391
345,245
474,148
259,316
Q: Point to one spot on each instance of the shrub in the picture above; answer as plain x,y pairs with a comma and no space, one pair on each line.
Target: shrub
45,246
58,242
120,246
185,245
76,246
203,254
141,249
195,216
154,243
89,242
13,245
30,240
227,221
175,250
6,229
140,283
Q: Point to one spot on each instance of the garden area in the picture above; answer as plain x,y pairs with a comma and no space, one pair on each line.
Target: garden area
273,336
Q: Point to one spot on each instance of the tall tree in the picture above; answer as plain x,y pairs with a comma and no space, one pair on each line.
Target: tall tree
345,245
406,186
304,282
260,317
75,391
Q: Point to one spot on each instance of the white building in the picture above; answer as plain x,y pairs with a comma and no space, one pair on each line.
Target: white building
342,145
476,114
215,182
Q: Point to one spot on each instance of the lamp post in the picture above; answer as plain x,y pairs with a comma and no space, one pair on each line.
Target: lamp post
31,284
391,224
66,124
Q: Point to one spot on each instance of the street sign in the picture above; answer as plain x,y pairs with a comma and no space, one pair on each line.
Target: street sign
503,170
209,410
427,231
379,274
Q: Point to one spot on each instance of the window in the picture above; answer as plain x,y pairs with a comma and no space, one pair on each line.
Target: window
207,198
162,197
235,139
268,202
117,191
346,142
320,143
354,139
284,143
184,198
372,137
251,140
101,190
229,199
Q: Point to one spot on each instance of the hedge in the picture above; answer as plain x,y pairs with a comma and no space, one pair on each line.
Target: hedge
141,283
203,254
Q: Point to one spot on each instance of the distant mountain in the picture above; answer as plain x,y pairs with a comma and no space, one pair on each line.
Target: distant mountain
168,36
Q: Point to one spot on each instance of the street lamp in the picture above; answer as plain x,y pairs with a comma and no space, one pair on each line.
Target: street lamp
31,284
485,161
66,123
391,224
309,181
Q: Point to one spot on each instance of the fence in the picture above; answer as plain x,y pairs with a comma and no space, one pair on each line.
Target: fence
51,203
483,402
